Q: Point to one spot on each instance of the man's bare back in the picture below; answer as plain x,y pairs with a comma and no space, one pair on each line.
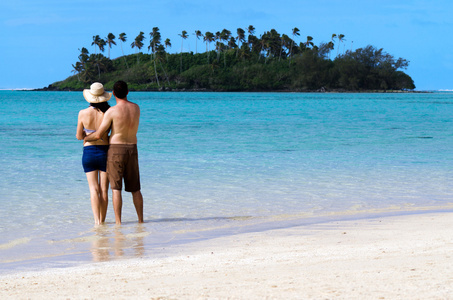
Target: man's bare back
124,119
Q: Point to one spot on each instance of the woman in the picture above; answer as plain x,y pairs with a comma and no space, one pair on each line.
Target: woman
94,157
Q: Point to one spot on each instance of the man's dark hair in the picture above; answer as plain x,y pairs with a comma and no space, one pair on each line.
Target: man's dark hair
120,89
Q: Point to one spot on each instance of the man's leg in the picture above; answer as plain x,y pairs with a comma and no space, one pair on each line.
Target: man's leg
117,205
138,203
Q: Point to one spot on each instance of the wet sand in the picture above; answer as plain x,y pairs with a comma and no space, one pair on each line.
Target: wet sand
401,257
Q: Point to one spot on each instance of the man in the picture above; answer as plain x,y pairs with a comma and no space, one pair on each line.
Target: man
122,156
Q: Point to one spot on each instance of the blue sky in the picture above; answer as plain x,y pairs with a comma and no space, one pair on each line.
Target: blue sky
40,39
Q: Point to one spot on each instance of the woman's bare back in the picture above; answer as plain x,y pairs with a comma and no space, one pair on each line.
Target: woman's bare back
91,119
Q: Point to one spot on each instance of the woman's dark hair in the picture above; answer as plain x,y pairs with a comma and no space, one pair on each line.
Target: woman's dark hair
103,106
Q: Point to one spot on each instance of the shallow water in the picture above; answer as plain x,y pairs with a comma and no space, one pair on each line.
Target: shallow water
219,163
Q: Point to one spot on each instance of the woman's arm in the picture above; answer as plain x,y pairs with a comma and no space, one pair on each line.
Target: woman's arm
80,134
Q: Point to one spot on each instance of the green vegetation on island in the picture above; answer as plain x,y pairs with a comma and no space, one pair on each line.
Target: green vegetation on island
244,62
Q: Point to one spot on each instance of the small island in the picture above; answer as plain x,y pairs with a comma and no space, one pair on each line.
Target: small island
240,62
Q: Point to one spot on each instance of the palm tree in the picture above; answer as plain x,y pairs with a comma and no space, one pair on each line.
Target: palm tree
341,39
159,59
99,62
217,44
83,57
183,36
102,44
264,43
84,66
155,39
197,34
309,41
284,43
330,46
153,44
77,69
287,43
122,37
334,36
110,41
138,43
274,43
232,43
167,44
208,38
224,37
251,32
295,33
96,40
240,38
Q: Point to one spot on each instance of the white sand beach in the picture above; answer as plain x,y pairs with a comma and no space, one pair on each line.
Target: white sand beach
402,257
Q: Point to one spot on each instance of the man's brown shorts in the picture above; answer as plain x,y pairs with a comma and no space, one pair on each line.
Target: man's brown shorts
122,162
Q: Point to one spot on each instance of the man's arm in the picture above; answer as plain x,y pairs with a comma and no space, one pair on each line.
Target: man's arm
103,128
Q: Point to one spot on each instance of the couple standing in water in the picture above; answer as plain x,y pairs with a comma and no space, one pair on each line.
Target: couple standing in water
110,158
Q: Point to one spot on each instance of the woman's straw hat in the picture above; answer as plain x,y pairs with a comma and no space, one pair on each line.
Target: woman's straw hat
96,93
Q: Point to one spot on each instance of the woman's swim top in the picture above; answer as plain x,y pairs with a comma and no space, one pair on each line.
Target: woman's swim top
88,131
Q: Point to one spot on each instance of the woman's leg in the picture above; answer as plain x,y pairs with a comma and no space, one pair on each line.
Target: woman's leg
104,194
93,184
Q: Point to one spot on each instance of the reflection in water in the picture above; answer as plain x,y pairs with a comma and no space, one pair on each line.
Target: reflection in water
139,245
119,242
111,243
99,247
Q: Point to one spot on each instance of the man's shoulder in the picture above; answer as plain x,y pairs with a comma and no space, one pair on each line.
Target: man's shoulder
110,112
131,103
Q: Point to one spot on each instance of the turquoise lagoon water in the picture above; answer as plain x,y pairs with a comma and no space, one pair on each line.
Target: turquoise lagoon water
216,164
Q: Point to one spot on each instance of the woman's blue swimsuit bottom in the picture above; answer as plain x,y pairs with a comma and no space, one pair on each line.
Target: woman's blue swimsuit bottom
95,158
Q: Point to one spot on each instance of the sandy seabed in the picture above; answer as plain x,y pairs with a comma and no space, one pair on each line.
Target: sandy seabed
402,257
